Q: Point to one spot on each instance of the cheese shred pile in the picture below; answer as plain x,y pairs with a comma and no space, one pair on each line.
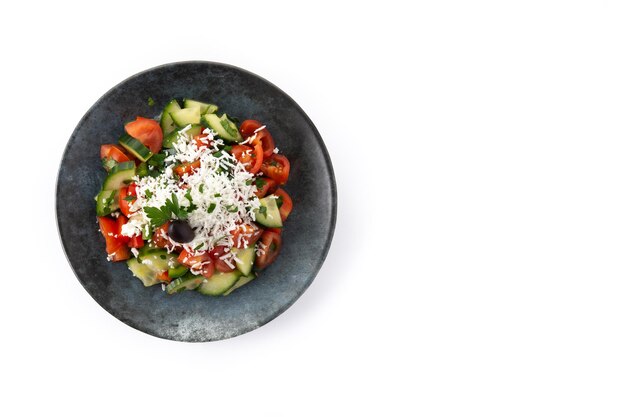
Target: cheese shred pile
221,189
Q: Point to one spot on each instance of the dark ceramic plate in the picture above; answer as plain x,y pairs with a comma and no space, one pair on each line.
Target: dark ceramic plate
190,316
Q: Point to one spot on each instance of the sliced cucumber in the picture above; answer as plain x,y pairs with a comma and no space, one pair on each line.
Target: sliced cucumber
194,130
186,117
268,214
219,283
177,271
223,126
187,282
138,149
119,176
143,272
246,256
107,202
240,283
157,259
204,107
167,124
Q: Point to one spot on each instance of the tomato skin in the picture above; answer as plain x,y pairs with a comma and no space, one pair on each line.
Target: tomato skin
220,264
251,158
115,247
187,168
121,221
146,131
124,204
248,127
191,260
114,152
272,243
160,239
276,230
200,143
164,276
277,168
287,204
246,233
267,142
136,242
268,186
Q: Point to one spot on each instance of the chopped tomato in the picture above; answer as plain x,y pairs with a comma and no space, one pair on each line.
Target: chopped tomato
267,142
248,127
278,230
277,168
121,254
146,131
124,201
187,168
265,186
246,235
164,276
115,247
201,141
284,203
220,264
132,189
159,237
251,158
270,247
121,221
113,152
136,242
197,260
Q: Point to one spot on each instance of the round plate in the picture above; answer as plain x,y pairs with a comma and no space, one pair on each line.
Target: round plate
190,316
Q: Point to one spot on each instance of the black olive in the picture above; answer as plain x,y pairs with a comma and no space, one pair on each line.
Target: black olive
180,231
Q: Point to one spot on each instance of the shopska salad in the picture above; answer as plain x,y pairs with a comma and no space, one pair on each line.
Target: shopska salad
192,201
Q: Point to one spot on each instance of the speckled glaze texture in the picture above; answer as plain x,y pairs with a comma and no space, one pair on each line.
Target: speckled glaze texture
190,316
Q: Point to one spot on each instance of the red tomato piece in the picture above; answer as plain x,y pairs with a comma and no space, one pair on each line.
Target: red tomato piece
247,129
197,260
220,264
252,158
284,203
187,168
146,131
270,247
265,186
121,221
115,247
136,242
277,168
114,152
246,235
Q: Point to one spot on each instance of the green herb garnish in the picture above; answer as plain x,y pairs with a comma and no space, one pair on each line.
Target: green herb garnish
260,182
149,194
150,101
263,211
199,246
211,208
231,208
201,188
279,201
130,198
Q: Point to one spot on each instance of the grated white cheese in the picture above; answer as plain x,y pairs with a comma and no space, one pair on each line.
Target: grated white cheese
233,196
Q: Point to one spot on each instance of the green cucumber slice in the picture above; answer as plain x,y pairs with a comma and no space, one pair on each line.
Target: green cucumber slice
240,283
219,283
187,282
186,117
204,107
119,176
138,149
170,139
107,202
246,256
270,216
167,124
177,271
223,126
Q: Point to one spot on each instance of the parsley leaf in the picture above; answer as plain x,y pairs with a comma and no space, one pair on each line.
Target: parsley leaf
263,211
192,206
158,217
201,188
211,208
149,194
130,198
199,246
260,182
157,160
279,201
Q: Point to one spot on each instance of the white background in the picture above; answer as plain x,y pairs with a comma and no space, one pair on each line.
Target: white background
478,261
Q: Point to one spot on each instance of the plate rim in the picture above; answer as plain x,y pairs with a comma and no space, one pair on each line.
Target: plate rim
333,197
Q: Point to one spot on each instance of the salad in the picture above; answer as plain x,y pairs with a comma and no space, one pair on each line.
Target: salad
193,201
